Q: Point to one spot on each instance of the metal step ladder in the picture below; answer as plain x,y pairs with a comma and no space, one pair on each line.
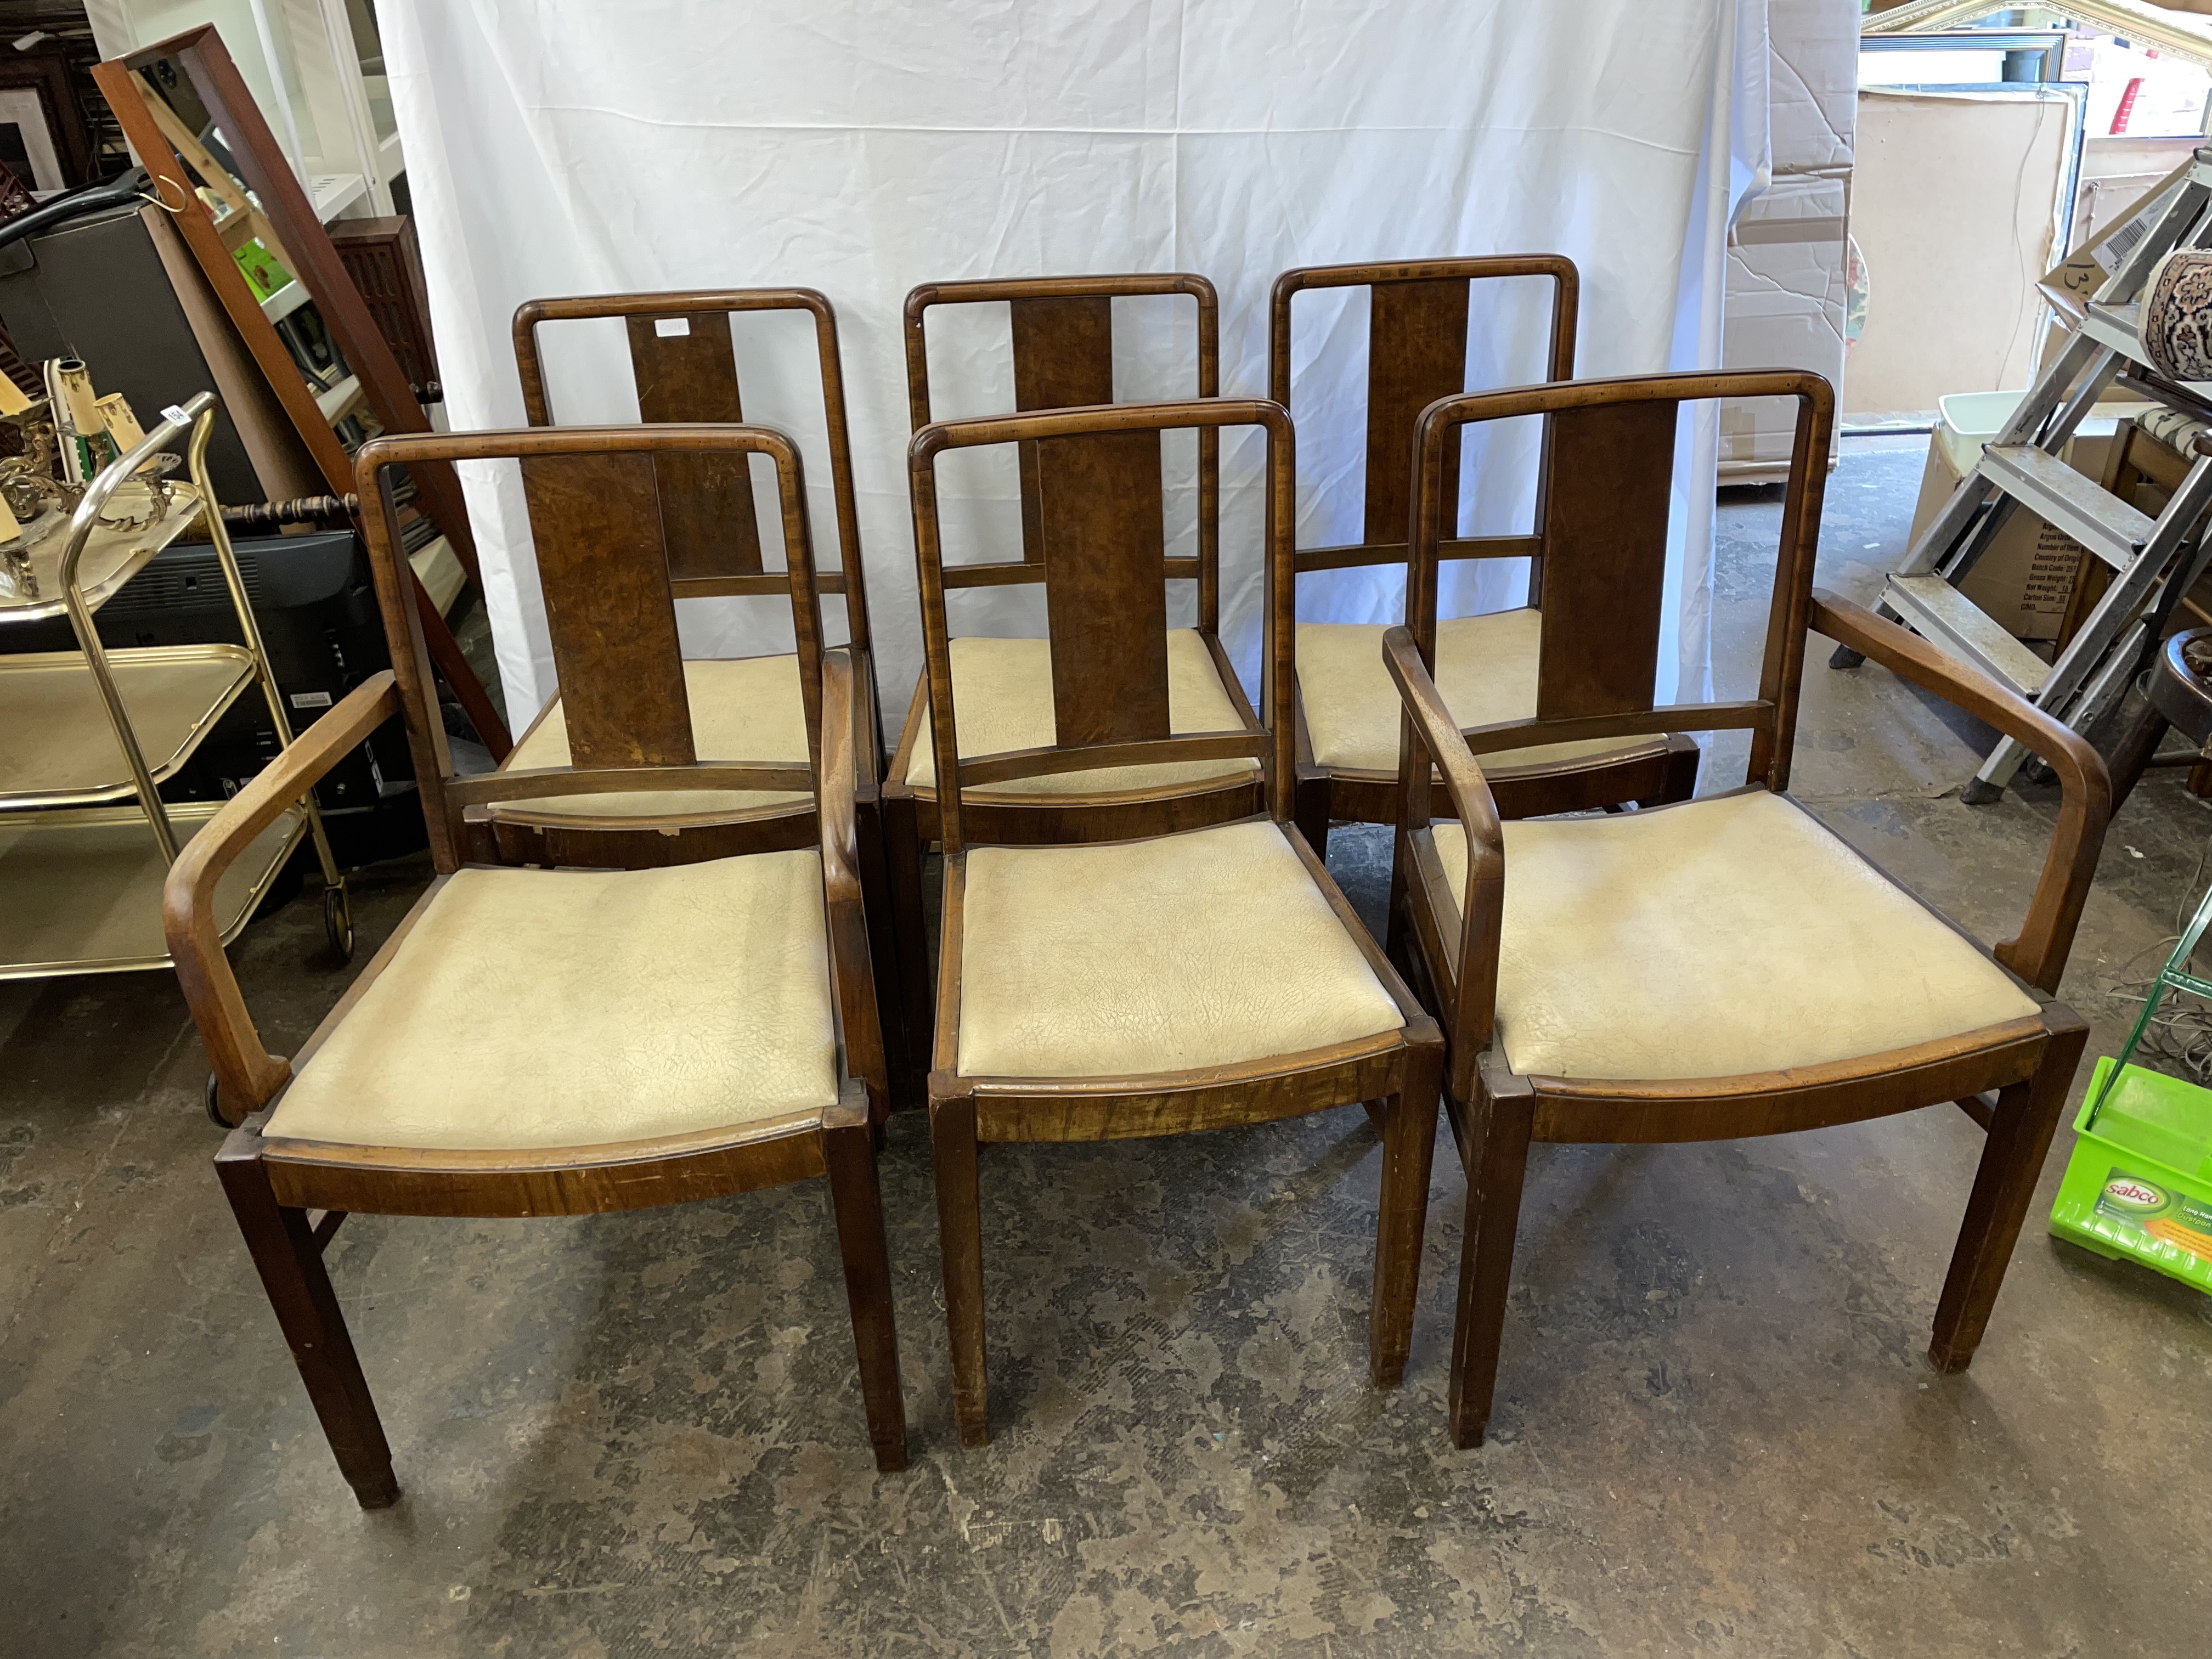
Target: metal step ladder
2153,561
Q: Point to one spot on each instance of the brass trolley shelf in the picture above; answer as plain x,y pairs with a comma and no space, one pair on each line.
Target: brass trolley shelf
56,746
80,891
88,737
112,556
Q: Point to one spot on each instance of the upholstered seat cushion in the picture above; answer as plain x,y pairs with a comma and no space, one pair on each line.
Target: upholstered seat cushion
1714,938
570,1008
743,709
1002,701
1485,669
1209,948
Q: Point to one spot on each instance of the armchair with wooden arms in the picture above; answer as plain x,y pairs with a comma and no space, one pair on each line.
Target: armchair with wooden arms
537,1042
1486,666
1718,968
1161,983
1062,340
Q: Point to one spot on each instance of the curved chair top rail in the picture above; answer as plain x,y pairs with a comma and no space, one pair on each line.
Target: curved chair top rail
1063,353
1063,331
691,373
1105,597
594,502
1601,532
1417,335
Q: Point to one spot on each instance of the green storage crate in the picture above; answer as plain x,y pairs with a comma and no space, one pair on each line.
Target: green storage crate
2139,1185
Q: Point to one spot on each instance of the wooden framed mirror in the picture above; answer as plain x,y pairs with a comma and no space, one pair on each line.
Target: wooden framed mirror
220,173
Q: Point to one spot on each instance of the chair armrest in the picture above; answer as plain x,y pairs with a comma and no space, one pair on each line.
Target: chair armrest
2038,954
1433,734
851,970
247,1073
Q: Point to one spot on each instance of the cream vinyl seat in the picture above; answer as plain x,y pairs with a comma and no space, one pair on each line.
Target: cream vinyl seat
1486,668
541,1008
1213,947
1002,701
743,709
1717,938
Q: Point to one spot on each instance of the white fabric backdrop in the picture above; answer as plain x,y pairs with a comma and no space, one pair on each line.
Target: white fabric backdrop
863,146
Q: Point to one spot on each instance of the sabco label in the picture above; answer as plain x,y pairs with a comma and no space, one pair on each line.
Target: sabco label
2132,1193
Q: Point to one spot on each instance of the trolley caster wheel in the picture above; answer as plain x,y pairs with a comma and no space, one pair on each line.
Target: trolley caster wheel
215,1104
337,920
1843,657
1980,792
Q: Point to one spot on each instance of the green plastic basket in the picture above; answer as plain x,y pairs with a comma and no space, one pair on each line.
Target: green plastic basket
2139,1185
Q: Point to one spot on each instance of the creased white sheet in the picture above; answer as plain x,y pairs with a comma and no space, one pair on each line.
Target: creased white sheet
863,146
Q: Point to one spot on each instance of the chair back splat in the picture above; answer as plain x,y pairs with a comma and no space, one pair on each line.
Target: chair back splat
1062,331
1103,577
684,361
593,494
1601,532
1417,338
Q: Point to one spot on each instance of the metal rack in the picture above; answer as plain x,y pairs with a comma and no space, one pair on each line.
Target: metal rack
2153,561
88,737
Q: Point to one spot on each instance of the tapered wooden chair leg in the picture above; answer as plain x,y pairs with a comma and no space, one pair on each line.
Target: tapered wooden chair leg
960,1233
1409,1141
1397,925
881,903
1309,812
1485,1267
902,871
2019,1139
290,1263
856,1197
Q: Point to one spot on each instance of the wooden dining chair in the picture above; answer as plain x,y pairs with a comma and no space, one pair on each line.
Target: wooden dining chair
539,1042
683,357
1063,357
1717,968
1153,984
1347,710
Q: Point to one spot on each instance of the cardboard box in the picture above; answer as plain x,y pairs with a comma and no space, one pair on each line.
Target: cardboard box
2025,578
1786,310
1787,249
1956,207
1813,85
2071,283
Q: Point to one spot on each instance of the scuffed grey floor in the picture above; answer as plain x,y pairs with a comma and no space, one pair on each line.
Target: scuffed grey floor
641,1434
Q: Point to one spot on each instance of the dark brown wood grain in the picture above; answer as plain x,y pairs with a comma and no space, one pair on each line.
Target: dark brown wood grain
1607,511
595,521
707,512
1063,359
1099,565
1061,341
708,509
593,493
1416,354
1605,555
1418,337
1099,514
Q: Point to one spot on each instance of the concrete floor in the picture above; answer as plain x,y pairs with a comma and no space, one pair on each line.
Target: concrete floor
641,1433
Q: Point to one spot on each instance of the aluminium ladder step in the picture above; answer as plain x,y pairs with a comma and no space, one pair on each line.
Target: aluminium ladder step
1948,618
2116,328
2065,500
